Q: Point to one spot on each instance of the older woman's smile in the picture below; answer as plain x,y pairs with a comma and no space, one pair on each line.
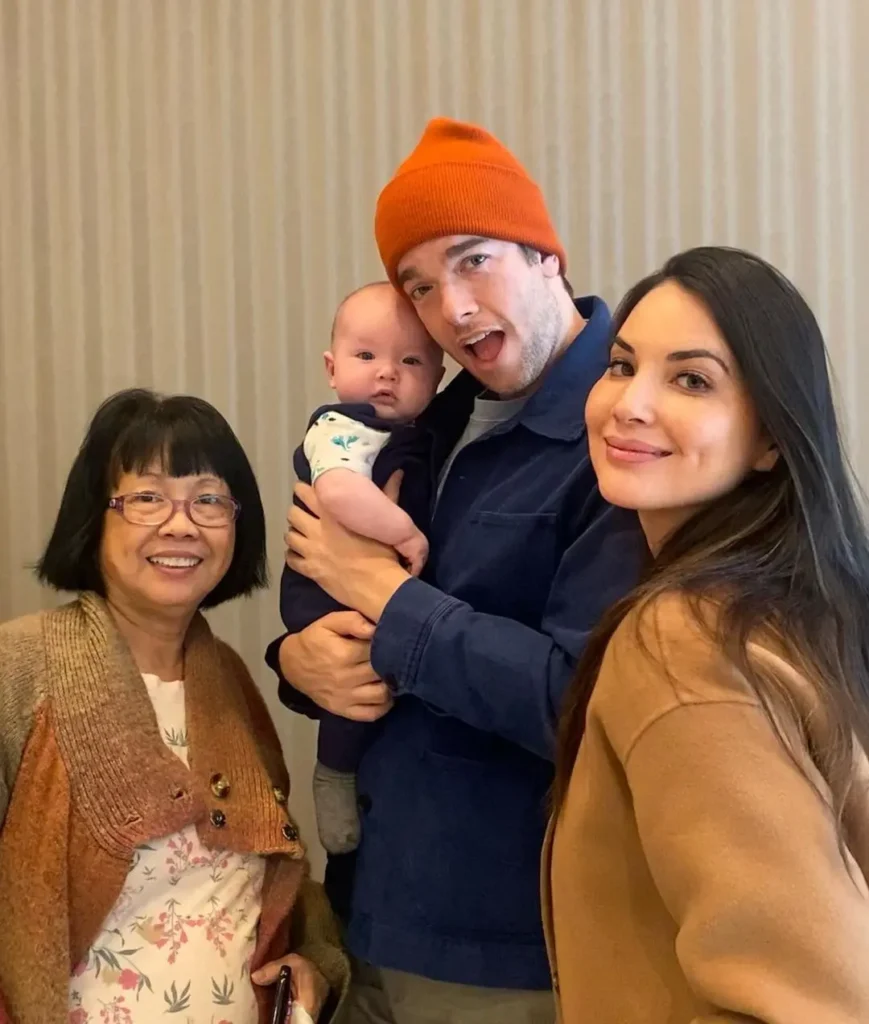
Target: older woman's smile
175,563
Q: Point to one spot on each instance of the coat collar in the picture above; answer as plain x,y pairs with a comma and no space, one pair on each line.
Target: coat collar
557,408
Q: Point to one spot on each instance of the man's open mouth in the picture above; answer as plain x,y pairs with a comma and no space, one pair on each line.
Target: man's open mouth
486,346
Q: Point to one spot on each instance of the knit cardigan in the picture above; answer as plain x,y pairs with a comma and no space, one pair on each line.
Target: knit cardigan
85,778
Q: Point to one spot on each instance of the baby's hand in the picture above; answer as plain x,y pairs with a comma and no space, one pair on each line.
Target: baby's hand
414,551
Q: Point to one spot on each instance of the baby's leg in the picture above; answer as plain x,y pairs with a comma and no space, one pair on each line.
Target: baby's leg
340,745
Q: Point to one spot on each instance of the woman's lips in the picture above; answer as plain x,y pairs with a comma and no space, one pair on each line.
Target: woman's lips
619,450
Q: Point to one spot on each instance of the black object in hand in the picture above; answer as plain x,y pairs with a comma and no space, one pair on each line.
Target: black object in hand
283,995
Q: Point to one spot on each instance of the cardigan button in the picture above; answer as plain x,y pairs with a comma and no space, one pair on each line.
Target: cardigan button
290,832
218,819
279,795
220,786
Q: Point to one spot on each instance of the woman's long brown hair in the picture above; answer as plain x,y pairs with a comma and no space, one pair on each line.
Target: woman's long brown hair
785,553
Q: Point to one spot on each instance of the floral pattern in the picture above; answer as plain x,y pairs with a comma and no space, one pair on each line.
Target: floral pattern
177,944
335,441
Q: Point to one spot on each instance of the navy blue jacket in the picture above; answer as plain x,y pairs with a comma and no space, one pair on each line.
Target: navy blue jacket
525,557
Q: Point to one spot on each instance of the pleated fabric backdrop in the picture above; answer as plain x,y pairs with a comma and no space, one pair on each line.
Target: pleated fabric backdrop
187,190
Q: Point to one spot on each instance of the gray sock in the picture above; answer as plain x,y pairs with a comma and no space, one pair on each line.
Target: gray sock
337,811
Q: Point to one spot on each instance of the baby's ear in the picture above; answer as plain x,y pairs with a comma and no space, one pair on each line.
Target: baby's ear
329,363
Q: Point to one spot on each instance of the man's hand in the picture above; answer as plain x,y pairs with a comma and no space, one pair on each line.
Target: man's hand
310,989
356,571
329,662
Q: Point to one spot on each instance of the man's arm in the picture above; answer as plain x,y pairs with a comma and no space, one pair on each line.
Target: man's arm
496,674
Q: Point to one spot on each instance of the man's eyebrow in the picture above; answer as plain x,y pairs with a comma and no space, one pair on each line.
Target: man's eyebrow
408,274
460,247
454,250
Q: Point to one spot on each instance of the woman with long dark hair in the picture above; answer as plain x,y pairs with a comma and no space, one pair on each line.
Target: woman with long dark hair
709,852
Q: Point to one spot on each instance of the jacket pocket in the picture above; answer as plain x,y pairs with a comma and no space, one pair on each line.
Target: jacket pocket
483,824
503,563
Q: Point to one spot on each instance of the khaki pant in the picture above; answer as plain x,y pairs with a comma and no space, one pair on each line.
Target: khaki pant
383,996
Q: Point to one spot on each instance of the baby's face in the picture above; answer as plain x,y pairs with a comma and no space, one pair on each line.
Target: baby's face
381,354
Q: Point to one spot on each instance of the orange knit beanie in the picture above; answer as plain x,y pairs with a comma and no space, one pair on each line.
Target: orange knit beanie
460,180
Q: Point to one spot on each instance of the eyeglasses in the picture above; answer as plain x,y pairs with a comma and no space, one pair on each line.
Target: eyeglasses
144,509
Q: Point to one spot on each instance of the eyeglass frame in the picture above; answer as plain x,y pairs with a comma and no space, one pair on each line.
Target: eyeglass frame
116,504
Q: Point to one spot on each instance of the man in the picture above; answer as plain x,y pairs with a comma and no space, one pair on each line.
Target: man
475,656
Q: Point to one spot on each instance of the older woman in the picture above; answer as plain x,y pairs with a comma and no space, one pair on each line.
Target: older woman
148,863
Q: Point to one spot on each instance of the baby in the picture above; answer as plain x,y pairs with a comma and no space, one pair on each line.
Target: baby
384,369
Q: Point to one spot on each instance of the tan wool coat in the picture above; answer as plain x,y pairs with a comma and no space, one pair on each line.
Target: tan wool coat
694,874
85,778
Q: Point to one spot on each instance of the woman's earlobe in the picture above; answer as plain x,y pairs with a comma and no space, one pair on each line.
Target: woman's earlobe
768,460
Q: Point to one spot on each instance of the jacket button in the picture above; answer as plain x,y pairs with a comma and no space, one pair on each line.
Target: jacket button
218,819
279,795
220,786
290,832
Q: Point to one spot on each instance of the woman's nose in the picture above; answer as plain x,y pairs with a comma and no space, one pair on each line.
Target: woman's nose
635,403
179,524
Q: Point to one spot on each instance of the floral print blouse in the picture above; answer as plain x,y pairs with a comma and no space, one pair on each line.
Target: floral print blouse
177,944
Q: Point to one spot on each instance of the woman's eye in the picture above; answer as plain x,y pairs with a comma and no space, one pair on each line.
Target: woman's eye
143,498
209,499
620,368
693,381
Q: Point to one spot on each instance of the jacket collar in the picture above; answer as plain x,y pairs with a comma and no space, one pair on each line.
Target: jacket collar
557,408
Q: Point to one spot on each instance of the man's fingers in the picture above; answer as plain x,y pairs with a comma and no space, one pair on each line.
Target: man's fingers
294,542
308,496
367,712
370,693
300,520
365,702
348,624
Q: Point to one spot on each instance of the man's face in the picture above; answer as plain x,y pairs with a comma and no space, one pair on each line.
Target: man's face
486,305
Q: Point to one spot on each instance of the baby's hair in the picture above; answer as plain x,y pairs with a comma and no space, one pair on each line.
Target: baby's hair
356,291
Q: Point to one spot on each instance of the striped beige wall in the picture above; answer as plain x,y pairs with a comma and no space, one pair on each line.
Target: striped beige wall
187,188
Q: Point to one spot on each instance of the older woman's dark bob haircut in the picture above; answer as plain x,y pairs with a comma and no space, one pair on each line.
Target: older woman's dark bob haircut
130,432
